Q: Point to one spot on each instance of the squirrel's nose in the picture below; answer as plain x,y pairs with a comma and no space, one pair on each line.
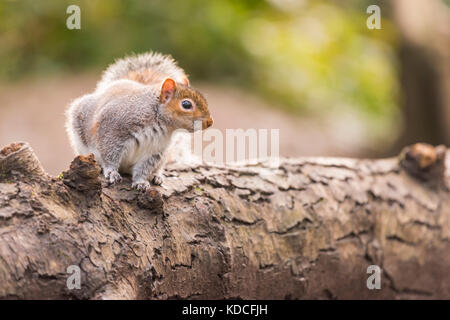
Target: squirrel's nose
208,123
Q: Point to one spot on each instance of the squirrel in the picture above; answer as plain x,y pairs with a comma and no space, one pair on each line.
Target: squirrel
129,120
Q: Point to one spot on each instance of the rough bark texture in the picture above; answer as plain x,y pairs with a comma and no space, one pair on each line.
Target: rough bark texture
308,229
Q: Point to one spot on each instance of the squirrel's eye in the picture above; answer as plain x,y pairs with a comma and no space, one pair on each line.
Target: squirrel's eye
186,104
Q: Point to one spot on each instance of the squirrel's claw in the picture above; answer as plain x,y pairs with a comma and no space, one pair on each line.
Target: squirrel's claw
112,176
157,180
141,185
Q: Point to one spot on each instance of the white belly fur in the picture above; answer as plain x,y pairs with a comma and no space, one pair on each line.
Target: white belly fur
146,144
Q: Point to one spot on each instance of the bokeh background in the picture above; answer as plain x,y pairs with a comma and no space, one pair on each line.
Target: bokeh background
310,68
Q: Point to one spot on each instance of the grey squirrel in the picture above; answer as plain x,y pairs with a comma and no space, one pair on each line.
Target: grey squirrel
129,120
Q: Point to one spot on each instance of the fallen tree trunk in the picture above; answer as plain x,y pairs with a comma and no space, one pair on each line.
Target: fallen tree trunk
308,229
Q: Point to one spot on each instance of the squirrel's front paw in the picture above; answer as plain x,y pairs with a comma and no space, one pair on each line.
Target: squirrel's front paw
157,180
112,175
141,185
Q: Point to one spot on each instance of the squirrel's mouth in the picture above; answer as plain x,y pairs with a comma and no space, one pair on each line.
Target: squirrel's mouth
202,124
206,123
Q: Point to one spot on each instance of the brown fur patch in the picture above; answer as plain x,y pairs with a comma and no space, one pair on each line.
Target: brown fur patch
182,92
94,129
117,90
145,76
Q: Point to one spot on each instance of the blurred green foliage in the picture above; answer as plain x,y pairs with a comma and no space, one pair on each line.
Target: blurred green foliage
309,55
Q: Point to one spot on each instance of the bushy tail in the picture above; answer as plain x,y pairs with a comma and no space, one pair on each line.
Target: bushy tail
146,68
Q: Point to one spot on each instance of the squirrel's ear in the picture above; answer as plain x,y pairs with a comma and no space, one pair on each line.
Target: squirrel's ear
167,90
186,81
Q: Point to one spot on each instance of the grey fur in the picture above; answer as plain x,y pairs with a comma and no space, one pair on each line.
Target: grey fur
151,60
123,122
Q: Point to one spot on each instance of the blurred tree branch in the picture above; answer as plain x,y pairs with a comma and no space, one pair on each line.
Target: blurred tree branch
425,69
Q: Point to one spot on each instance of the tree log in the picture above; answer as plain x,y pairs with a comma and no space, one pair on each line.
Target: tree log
307,229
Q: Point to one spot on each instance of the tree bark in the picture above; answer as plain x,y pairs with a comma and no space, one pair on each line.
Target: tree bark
306,229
